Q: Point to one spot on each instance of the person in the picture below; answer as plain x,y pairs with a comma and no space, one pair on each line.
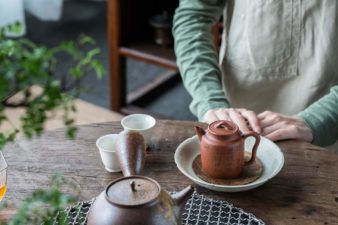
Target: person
318,123
276,58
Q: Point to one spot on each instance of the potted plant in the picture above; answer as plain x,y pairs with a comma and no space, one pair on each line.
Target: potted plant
24,64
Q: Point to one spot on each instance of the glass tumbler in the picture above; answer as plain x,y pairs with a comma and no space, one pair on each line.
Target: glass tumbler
3,176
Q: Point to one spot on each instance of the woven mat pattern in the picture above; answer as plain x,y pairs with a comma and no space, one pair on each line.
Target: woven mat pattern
199,210
77,214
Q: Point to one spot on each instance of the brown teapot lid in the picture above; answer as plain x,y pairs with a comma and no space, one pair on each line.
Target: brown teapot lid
224,128
132,191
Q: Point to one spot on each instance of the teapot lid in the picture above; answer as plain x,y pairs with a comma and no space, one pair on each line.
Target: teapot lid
132,191
223,128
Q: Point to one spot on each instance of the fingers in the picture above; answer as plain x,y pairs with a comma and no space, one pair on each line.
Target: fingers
210,116
280,134
252,118
244,119
276,127
217,114
268,118
269,129
223,114
237,118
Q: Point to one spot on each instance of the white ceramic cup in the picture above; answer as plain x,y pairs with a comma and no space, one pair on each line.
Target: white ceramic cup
139,122
106,145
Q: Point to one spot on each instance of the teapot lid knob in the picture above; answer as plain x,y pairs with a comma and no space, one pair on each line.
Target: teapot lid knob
223,128
132,191
132,186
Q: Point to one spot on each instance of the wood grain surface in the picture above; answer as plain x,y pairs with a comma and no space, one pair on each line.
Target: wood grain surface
304,192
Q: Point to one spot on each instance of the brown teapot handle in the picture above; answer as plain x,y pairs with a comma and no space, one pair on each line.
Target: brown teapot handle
254,149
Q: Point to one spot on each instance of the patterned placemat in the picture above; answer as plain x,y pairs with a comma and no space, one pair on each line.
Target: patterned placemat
77,214
199,210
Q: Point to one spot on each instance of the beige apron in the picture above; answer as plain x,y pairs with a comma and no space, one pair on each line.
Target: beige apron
279,55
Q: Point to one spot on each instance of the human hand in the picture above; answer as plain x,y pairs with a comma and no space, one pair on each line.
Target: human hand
276,126
246,120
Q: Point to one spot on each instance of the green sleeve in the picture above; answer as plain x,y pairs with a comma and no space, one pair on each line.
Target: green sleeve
197,58
322,118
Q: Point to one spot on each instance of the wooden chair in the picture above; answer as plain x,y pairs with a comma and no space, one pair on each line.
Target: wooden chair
130,35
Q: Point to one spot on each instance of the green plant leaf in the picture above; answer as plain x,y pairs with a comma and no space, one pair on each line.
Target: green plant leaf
24,63
98,67
84,39
46,206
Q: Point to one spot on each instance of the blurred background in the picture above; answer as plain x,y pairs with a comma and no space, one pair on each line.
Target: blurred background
163,97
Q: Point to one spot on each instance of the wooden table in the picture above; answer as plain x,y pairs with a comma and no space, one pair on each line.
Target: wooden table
304,192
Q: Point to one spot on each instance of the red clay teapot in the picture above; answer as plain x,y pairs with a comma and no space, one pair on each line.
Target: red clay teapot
134,199
222,149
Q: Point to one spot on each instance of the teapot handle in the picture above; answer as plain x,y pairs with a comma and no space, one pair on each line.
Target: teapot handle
254,149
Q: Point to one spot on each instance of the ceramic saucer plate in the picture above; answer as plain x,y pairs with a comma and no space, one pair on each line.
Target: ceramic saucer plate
268,152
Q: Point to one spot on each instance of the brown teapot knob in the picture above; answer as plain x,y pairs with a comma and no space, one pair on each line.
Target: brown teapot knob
223,124
132,186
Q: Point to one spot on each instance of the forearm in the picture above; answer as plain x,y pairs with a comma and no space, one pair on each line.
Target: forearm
196,55
322,118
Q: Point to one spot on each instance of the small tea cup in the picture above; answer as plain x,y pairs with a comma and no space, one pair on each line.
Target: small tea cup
142,123
106,145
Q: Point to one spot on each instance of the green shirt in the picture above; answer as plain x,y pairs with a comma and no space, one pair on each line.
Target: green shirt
322,118
196,56
275,55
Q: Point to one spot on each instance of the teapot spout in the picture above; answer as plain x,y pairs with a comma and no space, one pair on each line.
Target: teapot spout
200,132
180,198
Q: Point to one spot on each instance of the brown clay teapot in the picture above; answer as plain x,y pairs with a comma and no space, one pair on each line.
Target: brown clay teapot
222,149
135,199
